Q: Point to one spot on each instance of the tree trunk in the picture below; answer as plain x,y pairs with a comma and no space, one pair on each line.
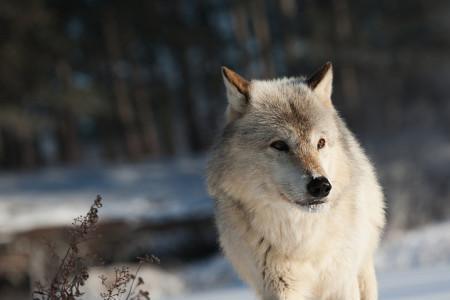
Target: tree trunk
123,105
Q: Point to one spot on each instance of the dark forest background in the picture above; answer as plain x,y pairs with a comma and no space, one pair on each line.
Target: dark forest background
127,80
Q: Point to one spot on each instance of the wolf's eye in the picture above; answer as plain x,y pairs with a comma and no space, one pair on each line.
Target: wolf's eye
280,146
321,144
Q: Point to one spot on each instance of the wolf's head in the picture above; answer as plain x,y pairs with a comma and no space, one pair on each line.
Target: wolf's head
282,142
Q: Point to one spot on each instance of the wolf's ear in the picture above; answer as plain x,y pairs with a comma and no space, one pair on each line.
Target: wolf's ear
237,93
321,81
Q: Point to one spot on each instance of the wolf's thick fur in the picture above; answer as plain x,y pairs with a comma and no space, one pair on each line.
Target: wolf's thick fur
279,243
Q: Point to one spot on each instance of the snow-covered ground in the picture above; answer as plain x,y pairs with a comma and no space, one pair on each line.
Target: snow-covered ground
428,246
157,190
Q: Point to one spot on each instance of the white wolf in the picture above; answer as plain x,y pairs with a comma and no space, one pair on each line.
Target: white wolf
298,205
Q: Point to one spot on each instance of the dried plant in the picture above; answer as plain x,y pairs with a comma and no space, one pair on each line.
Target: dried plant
126,281
72,271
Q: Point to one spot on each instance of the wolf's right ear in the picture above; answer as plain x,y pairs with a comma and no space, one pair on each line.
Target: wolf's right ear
237,93
321,82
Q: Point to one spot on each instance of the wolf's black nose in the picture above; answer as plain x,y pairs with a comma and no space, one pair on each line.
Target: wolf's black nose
319,187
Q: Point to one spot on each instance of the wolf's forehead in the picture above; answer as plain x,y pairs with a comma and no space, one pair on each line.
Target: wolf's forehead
279,90
286,100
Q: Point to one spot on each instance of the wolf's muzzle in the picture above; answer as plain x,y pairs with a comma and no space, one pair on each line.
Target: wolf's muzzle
319,187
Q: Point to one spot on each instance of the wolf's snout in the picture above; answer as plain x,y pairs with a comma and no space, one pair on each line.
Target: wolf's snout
319,187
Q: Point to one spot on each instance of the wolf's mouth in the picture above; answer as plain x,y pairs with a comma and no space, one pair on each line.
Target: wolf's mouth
311,204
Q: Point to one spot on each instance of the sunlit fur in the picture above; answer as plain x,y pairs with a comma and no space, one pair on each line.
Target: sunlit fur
283,249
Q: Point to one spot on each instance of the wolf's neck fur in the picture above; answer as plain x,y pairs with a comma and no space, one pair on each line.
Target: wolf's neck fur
281,227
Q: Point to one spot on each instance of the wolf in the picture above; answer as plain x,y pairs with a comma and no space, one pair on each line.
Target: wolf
299,209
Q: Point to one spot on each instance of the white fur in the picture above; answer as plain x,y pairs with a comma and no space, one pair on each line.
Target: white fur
283,250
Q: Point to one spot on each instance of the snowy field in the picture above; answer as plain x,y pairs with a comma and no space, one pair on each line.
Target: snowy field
155,191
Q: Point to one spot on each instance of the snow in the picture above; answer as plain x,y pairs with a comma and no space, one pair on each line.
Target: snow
159,282
432,283
426,246
155,191
221,294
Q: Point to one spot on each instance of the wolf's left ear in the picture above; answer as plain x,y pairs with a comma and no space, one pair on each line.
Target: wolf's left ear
237,93
321,81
